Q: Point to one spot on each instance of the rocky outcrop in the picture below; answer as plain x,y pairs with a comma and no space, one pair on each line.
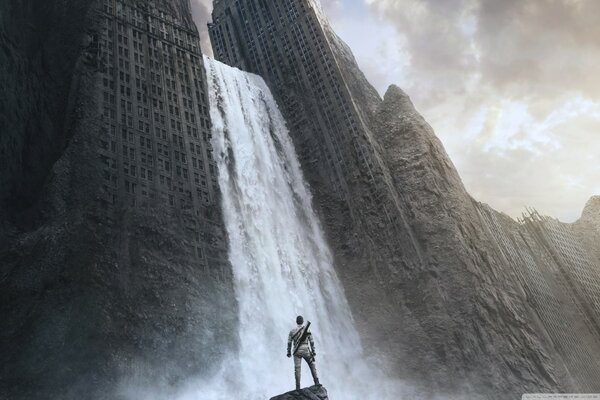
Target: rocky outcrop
588,227
311,393
436,300
472,326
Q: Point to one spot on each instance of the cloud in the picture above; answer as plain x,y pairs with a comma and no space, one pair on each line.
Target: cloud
201,10
547,46
522,161
512,90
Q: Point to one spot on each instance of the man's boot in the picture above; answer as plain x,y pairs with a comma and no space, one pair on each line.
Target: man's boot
313,371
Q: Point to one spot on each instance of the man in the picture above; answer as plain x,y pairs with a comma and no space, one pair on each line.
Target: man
304,348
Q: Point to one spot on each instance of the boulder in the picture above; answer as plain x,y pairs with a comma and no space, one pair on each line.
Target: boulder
310,393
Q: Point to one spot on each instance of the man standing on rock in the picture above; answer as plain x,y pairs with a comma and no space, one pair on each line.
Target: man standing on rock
304,348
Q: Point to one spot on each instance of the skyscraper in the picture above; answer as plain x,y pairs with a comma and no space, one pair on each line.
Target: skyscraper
532,252
117,197
290,45
155,142
330,110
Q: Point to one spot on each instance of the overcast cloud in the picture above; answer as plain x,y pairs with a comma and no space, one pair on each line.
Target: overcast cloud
511,87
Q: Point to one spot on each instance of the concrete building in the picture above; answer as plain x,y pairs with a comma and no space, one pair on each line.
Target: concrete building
155,141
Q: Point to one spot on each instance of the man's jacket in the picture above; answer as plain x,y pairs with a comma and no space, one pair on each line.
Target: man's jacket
295,336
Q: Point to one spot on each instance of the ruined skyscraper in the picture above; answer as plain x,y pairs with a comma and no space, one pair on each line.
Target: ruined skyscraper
285,43
155,136
111,193
288,43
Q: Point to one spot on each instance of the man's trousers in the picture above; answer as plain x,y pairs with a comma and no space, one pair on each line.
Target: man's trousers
304,353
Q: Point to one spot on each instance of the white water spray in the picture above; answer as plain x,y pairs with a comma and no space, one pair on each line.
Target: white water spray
281,263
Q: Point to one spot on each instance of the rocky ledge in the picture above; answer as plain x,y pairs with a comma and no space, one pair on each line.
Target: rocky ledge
310,393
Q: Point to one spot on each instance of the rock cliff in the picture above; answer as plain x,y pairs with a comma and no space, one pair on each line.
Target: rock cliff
477,330
429,288
474,319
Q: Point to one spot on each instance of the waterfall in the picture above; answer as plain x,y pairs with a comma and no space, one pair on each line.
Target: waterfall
282,265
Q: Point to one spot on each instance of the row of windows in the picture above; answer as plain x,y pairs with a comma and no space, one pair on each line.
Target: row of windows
147,103
154,20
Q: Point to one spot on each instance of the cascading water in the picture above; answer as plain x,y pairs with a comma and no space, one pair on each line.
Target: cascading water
282,265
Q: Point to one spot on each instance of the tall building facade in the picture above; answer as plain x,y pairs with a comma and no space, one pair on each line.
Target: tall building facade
284,43
115,208
546,261
287,44
155,141
310,71
576,263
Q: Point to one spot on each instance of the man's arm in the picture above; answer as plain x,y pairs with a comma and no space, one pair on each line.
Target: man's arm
312,343
289,346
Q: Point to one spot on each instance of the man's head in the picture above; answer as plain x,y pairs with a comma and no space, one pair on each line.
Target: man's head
299,320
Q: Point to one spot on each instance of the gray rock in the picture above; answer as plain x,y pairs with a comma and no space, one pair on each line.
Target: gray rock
310,393
588,227
429,286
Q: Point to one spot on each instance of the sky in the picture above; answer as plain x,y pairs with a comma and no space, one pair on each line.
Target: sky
511,87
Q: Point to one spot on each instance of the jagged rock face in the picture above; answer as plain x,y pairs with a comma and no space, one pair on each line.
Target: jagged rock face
311,393
461,317
591,210
589,227
429,291
91,305
36,70
362,91
452,318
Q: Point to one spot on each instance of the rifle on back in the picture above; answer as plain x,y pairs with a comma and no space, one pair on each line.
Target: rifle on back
302,338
